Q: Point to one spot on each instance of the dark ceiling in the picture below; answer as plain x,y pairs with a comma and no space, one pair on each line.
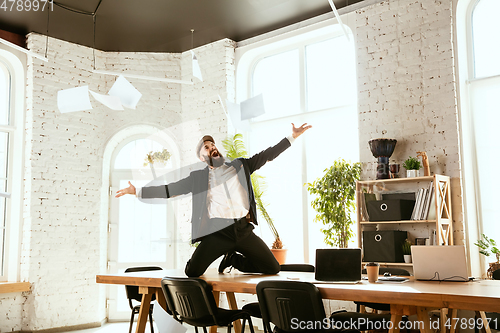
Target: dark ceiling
159,25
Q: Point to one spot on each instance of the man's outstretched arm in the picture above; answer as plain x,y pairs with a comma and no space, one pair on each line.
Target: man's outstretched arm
127,190
258,160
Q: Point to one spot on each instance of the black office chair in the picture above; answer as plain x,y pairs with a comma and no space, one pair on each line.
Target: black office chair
254,309
286,304
381,306
133,295
191,300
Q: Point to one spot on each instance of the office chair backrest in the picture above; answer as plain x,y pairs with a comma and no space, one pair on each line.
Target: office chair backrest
191,298
133,291
297,268
287,303
496,275
391,270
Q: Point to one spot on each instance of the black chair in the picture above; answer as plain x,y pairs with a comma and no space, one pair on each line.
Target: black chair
254,309
133,294
381,306
191,301
287,304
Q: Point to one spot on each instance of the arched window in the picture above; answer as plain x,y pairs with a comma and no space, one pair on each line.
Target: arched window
139,234
11,153
479,71
311,78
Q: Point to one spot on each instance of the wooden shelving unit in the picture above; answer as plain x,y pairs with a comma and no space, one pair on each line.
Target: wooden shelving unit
442,201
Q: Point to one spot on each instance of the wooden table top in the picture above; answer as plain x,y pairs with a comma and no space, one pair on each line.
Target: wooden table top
480,295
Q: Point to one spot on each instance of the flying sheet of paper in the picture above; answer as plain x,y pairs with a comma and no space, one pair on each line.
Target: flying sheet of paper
336,13
164,322
196,67
222,104
73,99
235,116
112,102
126,92
252,107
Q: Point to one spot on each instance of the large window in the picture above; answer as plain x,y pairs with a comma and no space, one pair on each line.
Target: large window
11,150
313,81
480,95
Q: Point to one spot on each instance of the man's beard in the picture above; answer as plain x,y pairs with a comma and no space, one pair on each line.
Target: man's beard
216,161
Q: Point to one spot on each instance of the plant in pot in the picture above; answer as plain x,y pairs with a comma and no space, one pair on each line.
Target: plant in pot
158,158
235,148
407,251
412,166
335,201
488,247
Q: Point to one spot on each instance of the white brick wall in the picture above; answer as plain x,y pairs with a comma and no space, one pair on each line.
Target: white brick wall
407,90
61,230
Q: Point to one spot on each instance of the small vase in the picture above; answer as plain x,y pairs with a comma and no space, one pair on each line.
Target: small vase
407,258
412,173
280,255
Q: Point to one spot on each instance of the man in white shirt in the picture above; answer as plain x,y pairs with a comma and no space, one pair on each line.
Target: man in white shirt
223,206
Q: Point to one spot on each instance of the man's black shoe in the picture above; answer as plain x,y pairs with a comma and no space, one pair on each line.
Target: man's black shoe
226,261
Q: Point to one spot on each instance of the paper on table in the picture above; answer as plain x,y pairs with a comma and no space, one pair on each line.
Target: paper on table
235,116
73,99
252,107
164,322
196,67
112,102
126,92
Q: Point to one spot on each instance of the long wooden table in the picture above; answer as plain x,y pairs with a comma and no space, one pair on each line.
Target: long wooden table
412,297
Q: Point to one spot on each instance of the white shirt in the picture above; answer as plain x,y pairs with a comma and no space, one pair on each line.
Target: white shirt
226,197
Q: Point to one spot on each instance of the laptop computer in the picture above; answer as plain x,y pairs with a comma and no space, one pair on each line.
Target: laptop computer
439,263
338,266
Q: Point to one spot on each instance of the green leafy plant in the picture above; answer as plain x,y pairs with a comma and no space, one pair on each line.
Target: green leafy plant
488,247
412,163
235,148
157,156
335,201
406,247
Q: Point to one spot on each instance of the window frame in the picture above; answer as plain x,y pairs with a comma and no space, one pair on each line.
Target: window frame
248,57
466,77
13,61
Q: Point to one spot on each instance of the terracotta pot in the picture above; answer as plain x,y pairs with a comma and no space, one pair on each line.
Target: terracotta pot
280,255
493,267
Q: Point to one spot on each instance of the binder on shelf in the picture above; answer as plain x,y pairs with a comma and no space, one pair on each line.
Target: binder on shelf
428,201
414,215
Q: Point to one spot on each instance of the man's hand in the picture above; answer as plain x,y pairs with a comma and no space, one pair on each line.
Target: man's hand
128,190
297,131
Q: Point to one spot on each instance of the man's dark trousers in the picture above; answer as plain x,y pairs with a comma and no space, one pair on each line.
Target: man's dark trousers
255,254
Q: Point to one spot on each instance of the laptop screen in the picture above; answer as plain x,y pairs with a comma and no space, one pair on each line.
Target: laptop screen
439,263
338,265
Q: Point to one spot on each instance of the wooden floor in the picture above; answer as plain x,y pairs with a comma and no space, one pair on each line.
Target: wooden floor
123,328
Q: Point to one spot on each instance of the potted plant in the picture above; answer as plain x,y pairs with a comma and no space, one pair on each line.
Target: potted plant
158,158
407,251
235,148
412,166
488,247
335,201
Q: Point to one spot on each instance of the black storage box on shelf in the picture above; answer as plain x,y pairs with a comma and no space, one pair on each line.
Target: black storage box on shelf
383,245
390,210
